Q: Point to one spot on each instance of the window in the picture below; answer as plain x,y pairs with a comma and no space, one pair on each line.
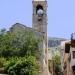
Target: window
67,48
73,54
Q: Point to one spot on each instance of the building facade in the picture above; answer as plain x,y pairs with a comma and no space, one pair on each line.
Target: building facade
68,55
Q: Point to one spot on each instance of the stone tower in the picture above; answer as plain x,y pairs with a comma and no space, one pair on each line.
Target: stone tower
40,25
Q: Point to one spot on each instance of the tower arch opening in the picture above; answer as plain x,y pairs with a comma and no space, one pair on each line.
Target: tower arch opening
39,7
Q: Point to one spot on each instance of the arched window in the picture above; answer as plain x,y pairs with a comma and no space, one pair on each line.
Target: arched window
38,7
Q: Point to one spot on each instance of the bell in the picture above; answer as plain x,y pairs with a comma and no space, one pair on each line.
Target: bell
40,12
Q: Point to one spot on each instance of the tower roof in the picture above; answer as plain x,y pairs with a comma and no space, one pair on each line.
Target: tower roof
39,0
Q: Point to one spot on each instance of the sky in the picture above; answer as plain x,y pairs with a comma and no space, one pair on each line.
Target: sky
61,15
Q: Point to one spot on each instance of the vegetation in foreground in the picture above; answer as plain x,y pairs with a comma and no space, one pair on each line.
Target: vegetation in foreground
55,63
19,52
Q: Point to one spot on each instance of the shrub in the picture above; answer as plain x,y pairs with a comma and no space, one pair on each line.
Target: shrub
57,63
2,60
22,66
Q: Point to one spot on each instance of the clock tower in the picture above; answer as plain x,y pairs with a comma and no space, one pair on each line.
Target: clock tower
40,25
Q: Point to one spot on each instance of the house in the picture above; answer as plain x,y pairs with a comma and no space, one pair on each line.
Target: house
68,55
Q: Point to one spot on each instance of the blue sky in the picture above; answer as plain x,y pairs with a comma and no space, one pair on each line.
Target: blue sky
61,15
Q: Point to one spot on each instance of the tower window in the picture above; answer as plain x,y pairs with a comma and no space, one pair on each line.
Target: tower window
73,54
39,7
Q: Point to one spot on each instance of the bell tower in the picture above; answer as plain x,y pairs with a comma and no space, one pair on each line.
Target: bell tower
40,25
40,15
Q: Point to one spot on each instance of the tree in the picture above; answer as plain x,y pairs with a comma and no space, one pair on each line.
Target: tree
2,31
20,45
7,45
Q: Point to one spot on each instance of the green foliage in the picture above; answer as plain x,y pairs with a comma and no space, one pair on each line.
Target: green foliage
22,66
18,52
13,44
2,60
57,60
7,46
2,32
57,63
31,44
